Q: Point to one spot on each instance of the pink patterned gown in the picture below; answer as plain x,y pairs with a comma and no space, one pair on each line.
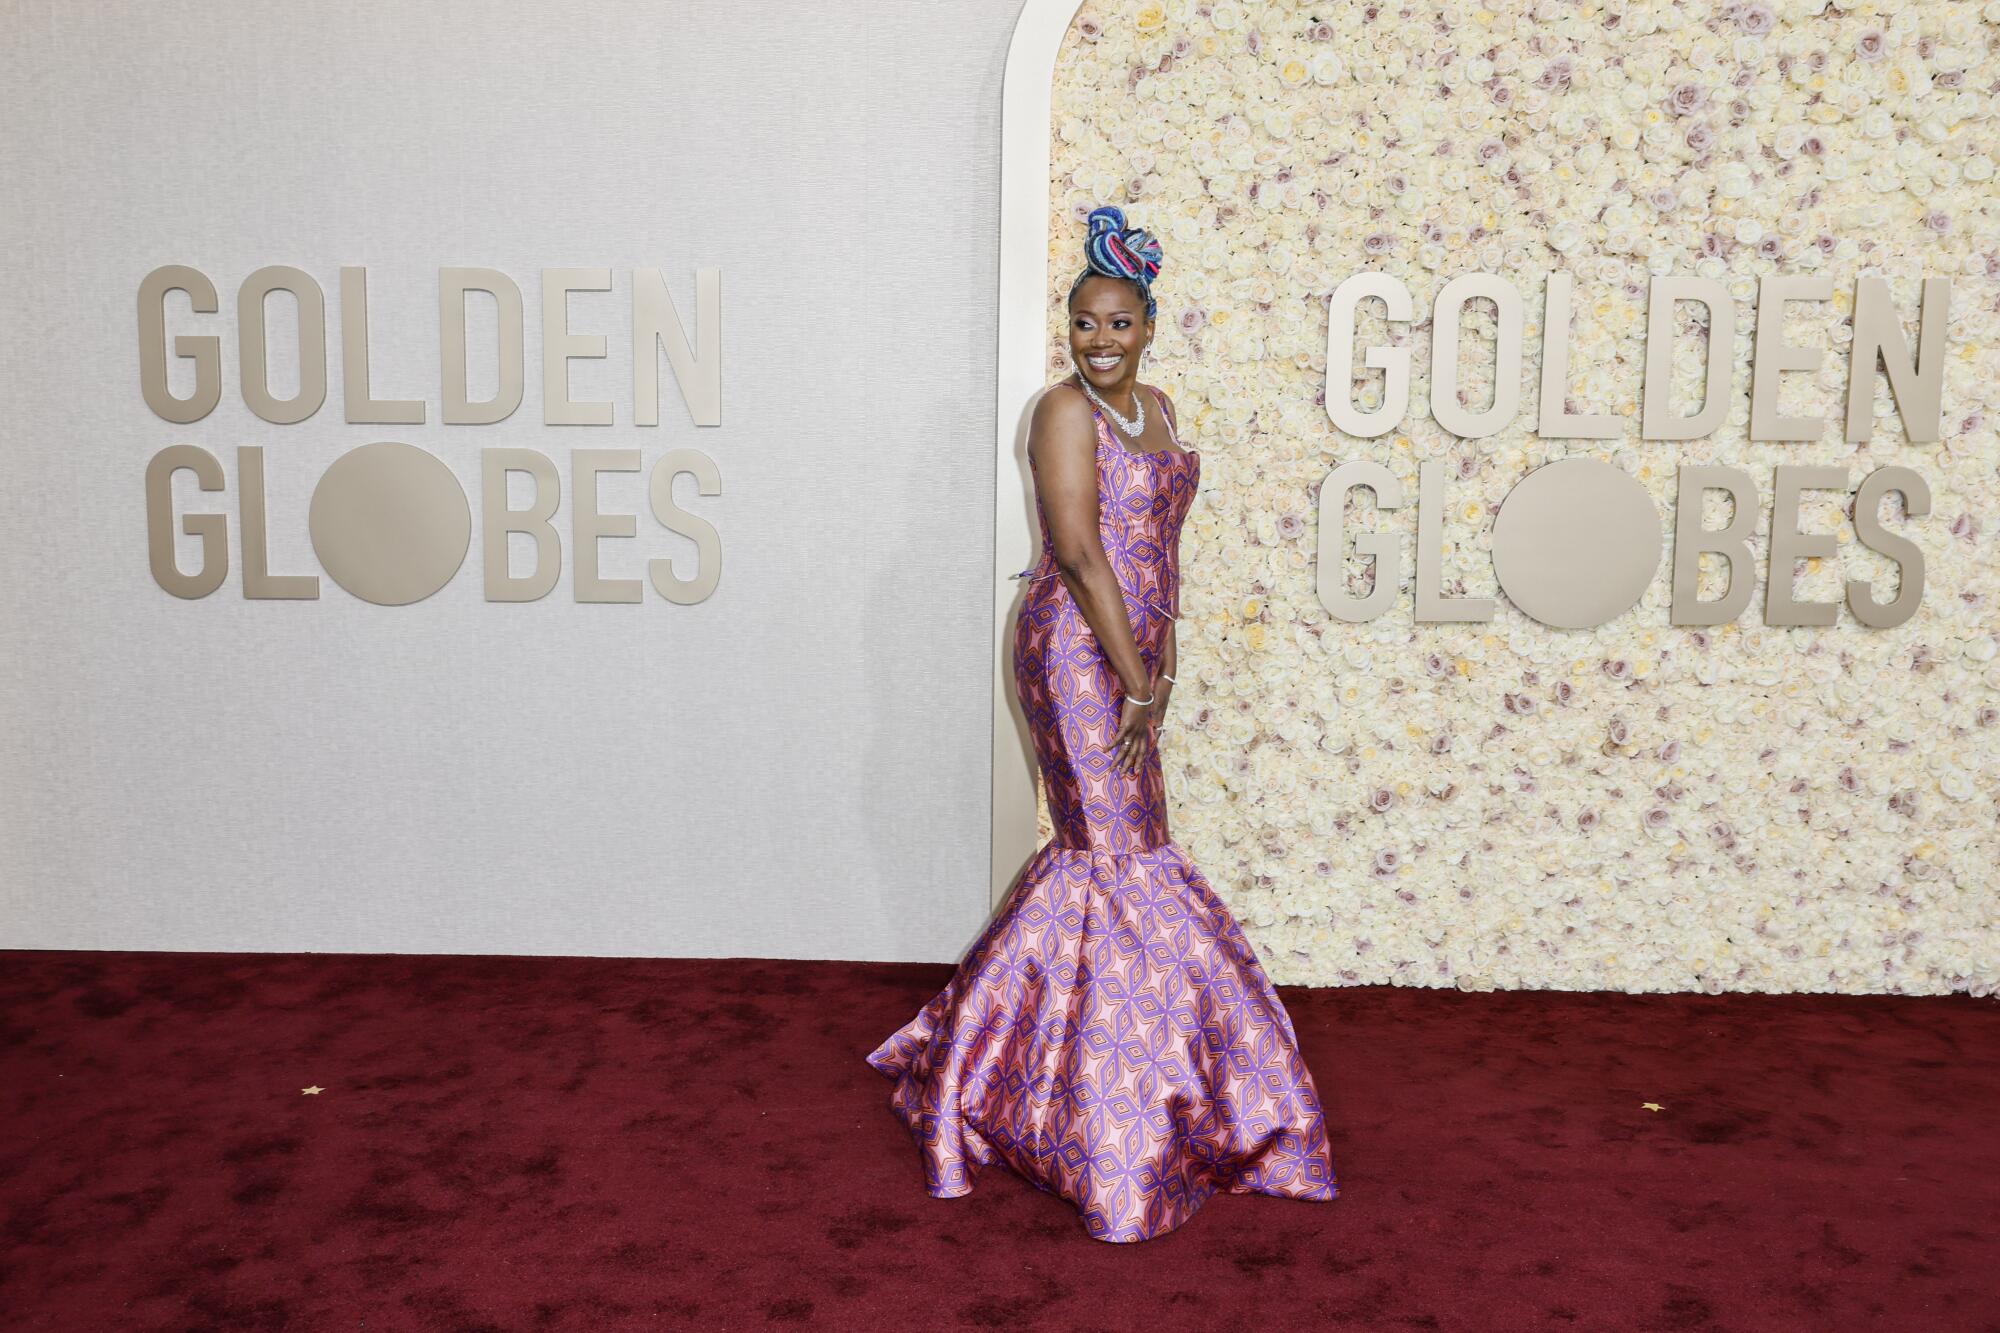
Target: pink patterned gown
1110,1036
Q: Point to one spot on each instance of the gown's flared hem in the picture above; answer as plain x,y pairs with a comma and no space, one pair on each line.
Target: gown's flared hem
1111,1039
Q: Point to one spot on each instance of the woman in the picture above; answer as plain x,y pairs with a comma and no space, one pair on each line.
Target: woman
1110,1036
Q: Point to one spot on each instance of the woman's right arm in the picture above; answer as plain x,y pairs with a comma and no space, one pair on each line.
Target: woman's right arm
1062,441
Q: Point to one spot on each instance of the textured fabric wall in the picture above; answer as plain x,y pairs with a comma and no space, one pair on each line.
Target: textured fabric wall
796,767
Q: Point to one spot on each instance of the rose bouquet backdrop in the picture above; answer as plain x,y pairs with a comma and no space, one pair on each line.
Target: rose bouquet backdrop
1640,806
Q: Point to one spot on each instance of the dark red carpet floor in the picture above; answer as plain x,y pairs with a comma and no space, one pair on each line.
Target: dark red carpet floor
585,1143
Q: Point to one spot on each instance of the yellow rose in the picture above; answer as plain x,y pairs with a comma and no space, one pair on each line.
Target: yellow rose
1150,19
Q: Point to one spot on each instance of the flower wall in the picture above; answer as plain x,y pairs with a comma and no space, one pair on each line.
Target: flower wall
1639,806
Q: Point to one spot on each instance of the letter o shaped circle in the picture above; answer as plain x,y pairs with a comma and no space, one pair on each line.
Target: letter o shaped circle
1576,542
390,523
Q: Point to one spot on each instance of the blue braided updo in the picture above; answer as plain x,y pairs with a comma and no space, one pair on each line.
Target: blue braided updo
1115,251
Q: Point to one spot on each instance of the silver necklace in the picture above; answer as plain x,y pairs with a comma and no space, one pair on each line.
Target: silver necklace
1133,428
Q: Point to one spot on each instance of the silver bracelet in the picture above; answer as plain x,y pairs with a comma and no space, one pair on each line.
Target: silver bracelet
1165,676
1141,702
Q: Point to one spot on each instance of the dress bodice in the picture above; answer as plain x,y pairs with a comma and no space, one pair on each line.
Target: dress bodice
1142,499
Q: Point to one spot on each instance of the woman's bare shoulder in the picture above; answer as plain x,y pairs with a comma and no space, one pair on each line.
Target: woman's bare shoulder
1062,397
1062,414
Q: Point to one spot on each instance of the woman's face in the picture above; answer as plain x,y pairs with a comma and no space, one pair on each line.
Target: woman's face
1107,320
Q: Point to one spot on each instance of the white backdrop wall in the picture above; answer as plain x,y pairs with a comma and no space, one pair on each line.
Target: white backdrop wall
795,767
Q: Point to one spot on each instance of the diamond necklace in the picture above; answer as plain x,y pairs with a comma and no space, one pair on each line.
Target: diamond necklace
1133,428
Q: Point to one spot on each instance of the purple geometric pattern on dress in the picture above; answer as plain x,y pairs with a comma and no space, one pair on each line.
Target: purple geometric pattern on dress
1110,1036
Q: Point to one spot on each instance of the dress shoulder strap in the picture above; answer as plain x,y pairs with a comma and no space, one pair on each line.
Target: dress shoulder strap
1167,409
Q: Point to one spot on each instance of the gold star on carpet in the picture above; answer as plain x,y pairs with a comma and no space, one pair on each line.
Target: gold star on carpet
314,1091
1651,1106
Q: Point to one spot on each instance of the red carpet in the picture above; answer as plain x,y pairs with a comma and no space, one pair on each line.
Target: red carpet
584,1143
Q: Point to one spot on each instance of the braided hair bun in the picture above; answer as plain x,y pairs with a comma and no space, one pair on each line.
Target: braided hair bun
1114,250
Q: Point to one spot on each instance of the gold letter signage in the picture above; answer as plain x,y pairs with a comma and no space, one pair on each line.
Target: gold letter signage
390,522
1577,541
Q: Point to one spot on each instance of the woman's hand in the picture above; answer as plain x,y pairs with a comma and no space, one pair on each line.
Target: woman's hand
1134,735
1157,713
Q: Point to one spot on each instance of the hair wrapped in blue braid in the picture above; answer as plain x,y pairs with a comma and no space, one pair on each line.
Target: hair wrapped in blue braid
1114,250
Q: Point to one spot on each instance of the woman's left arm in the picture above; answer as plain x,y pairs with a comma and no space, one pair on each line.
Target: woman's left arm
1169,656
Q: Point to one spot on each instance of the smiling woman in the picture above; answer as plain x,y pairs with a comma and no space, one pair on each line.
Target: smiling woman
654,322
1037,1055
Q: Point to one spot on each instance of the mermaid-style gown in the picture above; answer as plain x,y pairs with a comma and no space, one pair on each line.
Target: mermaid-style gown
1110,1036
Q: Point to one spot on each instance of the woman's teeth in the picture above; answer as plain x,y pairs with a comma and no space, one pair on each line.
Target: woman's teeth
1104,362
